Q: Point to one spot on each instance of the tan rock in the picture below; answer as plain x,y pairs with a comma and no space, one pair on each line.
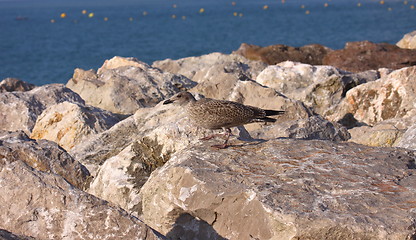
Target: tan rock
381,135
387,133
42,155
123,85
117,62
408,41
69,124
283,189
19,110
195,68
389,97
45,206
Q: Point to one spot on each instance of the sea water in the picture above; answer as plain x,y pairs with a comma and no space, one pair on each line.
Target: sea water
43,41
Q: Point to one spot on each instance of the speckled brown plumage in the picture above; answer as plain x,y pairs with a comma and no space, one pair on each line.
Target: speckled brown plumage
216,114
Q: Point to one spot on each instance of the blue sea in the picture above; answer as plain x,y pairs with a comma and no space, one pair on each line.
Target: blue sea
43,41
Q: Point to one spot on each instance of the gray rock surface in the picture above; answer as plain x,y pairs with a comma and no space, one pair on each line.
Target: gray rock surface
123,85
42,155
19,110
45,206
71,123
6,235
284,189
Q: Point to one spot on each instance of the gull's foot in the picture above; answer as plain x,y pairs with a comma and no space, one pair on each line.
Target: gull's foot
220,146
211,136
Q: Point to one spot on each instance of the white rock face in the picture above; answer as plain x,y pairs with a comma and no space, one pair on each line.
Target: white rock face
320,87
408,41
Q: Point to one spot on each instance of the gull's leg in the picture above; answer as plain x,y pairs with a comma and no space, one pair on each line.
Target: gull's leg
212,136
227,135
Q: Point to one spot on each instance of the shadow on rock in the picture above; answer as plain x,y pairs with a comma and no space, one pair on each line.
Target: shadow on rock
189,227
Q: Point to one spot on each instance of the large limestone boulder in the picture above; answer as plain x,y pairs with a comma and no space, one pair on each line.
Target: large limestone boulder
14,84
365,55
408,41
42,155
122,158
392,96
284,189
320,87
45,206
309,54
69,123
123,85
195,68
19,110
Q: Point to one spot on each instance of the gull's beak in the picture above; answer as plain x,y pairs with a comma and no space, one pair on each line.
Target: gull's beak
167,102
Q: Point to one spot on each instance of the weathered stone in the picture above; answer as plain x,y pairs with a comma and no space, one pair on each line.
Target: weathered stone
284,189
381,135
320,87
42,155
365,55
408,41
387,133
195,68
120,178
45,206
389,97
408,140
310,54
150,127
6,235
71,123
122,158
14,84
123,85
19,110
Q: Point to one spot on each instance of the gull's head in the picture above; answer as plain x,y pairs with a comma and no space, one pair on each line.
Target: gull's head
181,99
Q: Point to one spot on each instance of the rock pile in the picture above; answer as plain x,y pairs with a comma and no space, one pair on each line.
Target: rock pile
103,158
354,57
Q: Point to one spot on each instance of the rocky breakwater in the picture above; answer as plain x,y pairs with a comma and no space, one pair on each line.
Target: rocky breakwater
93,173
354,57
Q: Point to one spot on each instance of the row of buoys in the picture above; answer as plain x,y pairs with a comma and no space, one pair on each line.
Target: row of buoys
233,3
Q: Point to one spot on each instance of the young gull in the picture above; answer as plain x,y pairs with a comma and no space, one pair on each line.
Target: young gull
220,114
